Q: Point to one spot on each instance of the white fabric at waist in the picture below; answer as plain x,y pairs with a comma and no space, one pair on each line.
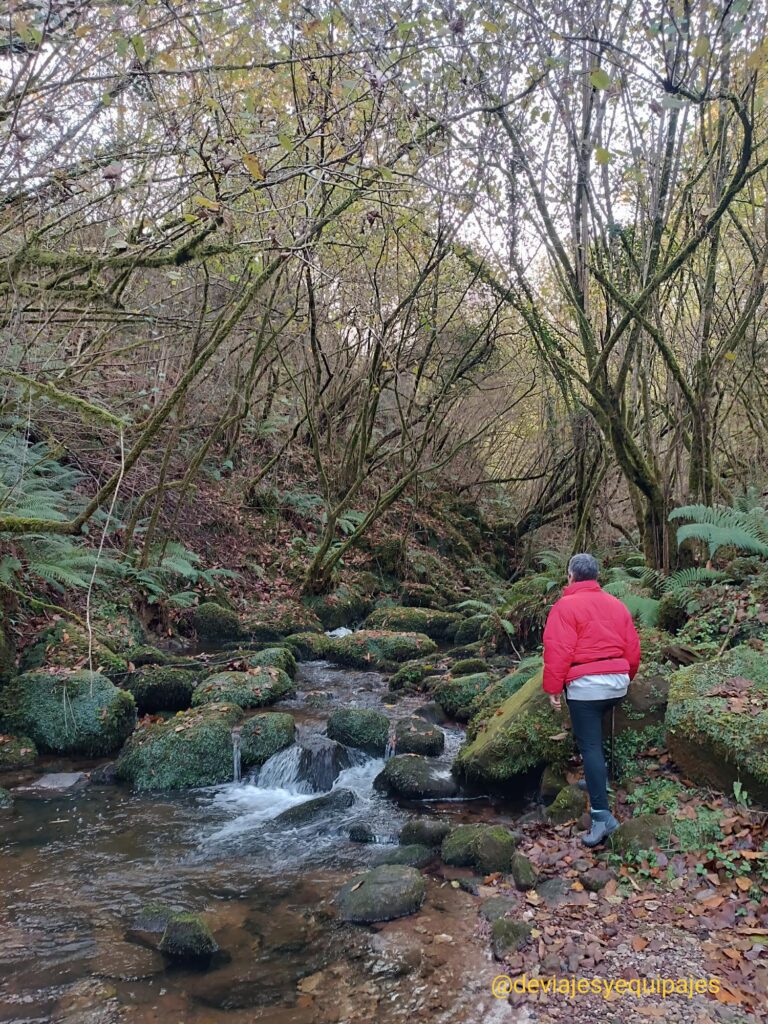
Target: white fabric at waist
598,686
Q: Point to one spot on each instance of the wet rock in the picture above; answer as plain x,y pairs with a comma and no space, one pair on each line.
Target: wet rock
90,1001
425,831
432,712
457,696
271,657
596,879
105,774
210,621
343,607
382,894
123,961
162,688
571,802
393,956
188,937
54,784
436,624
6,800
193,748
378,648
554,891
531,817
152,919
363,728
16,752
321,761
552,782
264,735
486,847
148,655
643,832
523,872
508,936
69,713
256,688
413,855
470,630
415,778
361,832
337,800
415,736
496,907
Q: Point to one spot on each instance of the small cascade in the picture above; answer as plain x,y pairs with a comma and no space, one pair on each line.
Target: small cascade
389,750
237,770
281,771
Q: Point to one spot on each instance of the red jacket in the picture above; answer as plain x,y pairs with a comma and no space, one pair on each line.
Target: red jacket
588,632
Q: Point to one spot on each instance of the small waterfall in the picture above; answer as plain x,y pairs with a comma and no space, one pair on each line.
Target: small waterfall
237,771
389,750
281,771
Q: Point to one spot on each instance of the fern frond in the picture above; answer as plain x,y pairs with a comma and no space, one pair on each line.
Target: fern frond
685,579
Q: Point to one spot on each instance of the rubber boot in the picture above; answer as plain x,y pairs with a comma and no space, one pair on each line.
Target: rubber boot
603,824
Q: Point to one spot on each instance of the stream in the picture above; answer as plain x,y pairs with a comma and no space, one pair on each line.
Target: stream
75,870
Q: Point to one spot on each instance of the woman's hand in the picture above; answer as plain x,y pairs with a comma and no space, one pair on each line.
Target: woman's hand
554,700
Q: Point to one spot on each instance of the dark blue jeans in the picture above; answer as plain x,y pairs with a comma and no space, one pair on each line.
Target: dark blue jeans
587,719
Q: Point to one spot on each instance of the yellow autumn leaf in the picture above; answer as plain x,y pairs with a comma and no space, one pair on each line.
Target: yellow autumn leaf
253,166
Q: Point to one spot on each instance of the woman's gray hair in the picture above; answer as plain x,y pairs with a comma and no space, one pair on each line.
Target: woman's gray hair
583,567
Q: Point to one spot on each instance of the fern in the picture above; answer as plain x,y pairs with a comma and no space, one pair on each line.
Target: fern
477,607
680,582
719,527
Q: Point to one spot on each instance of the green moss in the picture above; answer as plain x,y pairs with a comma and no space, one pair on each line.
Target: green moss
16,752
256,688
264,735
485,847
210,621
160,688
409,677
570,802
309,646
187,937
717,721
359,727
524,733
193,748
378,648
436,624
274,657
415,736
487,702
470,630
65,646
273,622
421,595
146,654
118,625
457,696
345,606
469,666
80,713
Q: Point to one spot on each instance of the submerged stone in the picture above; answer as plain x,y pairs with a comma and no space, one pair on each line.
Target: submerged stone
188,937
336,800
414,777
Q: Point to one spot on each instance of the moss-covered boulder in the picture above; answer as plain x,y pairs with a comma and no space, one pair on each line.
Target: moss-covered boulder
345,606
118,625
414,855
271,657
717,721
415,778
146,654
162,688
268,623
66,646
309,646
571,802
256,688
523,872
457,696
378,649
469,666
16,752
210,621
193,748
264,735
485,847
487,702
437,624
523,734
509,936
421,595
363,728
68,713
382,894
643,832
188,937
416,676
424,831
469,630
415,736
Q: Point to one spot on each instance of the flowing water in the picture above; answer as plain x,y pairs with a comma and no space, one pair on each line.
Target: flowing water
75,870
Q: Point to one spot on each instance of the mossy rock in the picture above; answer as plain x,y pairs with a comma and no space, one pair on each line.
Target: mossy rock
274,622
387,554
69,713
363,728
470,630
523,872
552,782
414,778
717,721
424,831
264,735
436,624
146,654
487,702
211,621
469,666
643,832
6,800
16,752
118,626
413,676
344,607
188,937
487,848
523,734
382,894
378,648
508,936
256,688
306,812
161,688
421,595
309,646
193,748
65,646
415,736
414,855
457,696
361,832
571,802
271,657
646,701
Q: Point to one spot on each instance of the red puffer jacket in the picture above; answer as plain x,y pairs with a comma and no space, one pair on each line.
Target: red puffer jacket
588,632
